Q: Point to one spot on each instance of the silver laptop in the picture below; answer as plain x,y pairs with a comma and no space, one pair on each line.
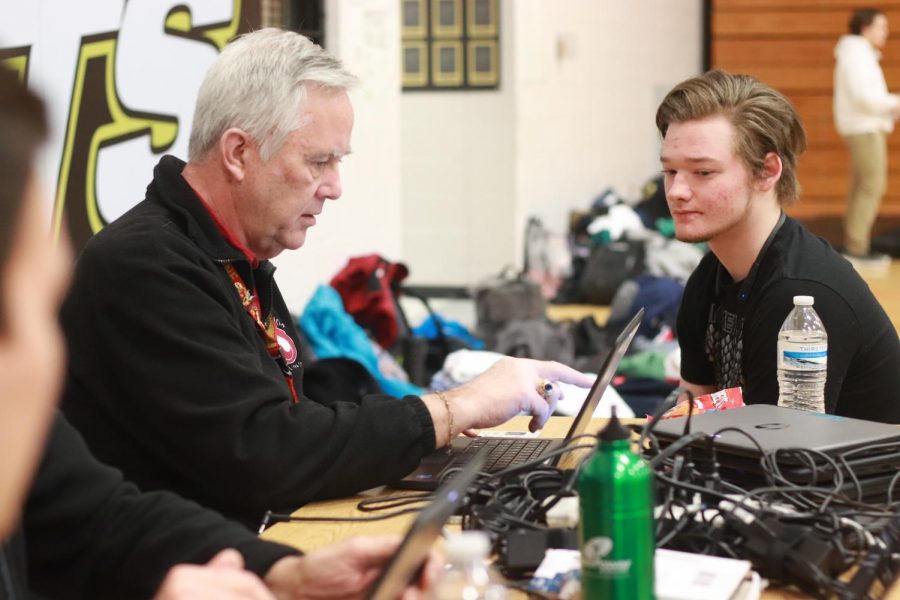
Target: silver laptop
869,448
507,452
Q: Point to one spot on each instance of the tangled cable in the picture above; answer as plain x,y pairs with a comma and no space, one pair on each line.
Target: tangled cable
800,516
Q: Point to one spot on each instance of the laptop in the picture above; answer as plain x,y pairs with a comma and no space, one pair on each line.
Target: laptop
869,448
410,557
507,452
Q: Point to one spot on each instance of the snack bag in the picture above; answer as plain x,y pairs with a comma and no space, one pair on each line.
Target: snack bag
721,400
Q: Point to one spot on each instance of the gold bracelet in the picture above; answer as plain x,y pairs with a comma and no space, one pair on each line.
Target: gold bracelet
443,398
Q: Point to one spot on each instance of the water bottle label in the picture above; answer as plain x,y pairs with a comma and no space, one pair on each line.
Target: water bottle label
802,357
595,557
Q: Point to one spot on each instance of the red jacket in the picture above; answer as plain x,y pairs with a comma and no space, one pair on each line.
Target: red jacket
367,286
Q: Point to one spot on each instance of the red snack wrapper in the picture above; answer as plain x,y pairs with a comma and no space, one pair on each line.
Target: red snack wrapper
721,400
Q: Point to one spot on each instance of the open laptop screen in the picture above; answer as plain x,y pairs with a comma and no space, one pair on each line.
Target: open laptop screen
607,372
413,550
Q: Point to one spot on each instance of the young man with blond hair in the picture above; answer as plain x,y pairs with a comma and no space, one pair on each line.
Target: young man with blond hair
729,156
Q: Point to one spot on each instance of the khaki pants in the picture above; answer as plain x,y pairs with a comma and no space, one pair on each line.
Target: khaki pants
868,181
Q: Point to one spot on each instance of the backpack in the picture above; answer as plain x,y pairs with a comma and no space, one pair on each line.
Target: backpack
607,267
503,300
536,338
423,355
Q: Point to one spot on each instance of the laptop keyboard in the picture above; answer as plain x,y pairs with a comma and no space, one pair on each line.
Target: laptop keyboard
503,452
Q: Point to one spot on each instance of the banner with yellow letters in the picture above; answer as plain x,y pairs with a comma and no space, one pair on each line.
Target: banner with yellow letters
120,78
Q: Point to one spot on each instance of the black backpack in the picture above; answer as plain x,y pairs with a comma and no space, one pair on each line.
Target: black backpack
503,300
607,267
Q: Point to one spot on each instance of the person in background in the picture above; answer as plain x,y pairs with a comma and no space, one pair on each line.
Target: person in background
730,146
864,114
71,527
184,368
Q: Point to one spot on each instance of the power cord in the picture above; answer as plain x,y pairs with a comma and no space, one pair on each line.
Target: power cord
803,525
271,518
364,505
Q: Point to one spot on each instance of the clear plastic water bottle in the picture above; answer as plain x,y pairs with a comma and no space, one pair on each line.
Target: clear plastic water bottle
469,575
802,358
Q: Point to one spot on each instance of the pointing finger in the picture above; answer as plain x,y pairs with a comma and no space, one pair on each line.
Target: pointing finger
559,372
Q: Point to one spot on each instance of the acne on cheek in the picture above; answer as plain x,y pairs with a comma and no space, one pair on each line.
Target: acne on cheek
723,197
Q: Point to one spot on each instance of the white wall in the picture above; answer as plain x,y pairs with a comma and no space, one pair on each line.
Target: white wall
580,82
587,96
365,34
459,176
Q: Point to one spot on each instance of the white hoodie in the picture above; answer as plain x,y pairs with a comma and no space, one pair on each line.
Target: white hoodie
862,103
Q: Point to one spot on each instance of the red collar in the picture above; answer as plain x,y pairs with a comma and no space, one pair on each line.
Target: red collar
228,234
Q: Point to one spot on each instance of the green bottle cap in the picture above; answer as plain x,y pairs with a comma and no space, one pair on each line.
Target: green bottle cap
614,430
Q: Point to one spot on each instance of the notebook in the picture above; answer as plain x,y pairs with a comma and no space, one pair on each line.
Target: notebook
407,562
510,452
870,448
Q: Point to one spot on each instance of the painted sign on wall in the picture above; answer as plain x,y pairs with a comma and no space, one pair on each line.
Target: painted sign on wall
120,78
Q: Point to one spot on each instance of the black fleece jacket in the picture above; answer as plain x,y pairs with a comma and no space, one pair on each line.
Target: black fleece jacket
86,533
170,380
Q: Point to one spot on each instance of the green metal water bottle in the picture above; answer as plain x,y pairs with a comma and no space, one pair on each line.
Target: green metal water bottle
616,525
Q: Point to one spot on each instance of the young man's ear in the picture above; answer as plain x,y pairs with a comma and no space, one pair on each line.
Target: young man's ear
771,172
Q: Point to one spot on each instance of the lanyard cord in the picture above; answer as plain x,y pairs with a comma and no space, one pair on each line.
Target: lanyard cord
266,328
750,279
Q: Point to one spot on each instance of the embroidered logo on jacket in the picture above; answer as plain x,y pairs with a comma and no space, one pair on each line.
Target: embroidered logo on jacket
285,344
